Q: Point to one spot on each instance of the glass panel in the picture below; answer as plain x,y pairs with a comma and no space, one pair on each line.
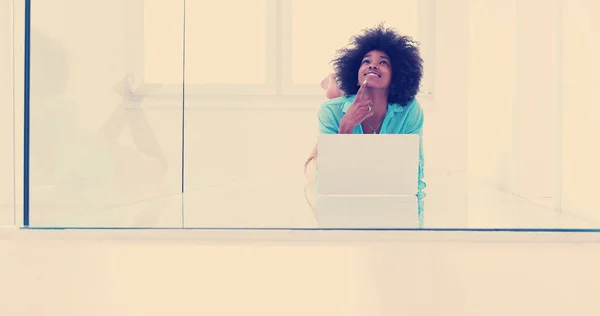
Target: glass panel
7,187
581,103
106,144
314,26
247,173
104,152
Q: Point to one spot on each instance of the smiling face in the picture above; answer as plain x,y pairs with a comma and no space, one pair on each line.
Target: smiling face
377,69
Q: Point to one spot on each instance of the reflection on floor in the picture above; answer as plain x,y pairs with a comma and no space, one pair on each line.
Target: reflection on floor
280,202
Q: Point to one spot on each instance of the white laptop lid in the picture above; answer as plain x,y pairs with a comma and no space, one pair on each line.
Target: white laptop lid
368,164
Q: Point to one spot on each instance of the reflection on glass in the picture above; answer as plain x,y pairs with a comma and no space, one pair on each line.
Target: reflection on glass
97,157
131,114
360,211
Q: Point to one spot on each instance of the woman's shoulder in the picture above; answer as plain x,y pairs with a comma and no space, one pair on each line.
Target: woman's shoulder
413,107
341,104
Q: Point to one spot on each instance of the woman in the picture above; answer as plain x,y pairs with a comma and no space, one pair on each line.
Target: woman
373,90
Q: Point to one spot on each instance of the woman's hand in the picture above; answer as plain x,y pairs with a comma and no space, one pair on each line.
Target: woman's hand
358,111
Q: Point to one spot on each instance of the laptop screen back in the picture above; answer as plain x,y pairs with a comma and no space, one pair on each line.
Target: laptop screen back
365,164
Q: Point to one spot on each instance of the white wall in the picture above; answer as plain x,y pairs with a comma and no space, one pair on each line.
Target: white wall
581,108
6,115
492,75
537,122
512,110
532,106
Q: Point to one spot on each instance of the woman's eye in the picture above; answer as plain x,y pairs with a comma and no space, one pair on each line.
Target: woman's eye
384,62
365,61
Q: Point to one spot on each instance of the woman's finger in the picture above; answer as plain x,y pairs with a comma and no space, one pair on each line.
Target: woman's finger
361,91
364,105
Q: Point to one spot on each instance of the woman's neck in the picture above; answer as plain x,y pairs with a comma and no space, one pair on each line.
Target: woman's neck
379,97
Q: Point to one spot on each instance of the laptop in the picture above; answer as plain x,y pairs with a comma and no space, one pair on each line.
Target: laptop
368,181
367,164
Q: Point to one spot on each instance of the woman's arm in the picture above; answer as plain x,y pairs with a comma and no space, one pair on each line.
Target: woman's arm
415,121
312,158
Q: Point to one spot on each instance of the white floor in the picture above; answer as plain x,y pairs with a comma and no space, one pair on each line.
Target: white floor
248,177
285,201
178,272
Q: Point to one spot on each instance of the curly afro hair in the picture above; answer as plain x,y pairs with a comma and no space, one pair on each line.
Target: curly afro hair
407,64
